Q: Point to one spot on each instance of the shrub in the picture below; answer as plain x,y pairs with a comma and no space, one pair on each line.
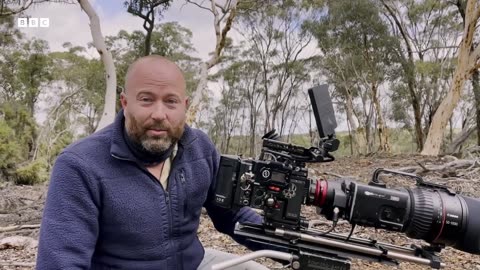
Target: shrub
32,173
9,149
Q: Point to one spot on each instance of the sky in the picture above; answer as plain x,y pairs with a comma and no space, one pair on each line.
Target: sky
69,23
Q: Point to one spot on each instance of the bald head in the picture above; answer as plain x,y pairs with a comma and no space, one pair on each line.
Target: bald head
154,68
154,103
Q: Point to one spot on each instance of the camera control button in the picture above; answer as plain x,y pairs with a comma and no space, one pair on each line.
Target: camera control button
270,202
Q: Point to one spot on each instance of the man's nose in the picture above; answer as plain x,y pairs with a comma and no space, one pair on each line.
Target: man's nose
159,112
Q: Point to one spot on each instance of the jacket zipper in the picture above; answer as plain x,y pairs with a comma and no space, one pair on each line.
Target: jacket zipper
165,191
184,188
170,220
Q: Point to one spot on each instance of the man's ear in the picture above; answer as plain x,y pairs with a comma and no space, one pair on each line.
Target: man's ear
123,100
187,103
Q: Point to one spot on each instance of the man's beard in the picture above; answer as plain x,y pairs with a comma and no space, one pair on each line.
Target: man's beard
153,144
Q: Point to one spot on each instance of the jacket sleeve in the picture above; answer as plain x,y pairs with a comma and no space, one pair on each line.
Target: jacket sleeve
223,219
69,227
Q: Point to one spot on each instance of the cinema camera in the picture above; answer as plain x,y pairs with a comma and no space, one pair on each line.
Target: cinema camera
278,184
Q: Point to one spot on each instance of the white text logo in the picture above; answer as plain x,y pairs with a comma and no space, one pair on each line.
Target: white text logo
33,22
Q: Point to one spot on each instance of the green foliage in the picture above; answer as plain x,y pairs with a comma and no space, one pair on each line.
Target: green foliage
139,6
32,173
84,81
20,120
10,152
168,39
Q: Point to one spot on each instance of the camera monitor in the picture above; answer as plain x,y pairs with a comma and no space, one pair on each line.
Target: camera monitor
323,110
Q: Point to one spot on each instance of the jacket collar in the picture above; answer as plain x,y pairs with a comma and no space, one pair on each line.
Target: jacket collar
119,148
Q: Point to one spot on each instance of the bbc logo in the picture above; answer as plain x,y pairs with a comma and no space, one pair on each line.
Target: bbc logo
33,22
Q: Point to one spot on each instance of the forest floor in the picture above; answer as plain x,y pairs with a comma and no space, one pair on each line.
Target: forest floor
22,205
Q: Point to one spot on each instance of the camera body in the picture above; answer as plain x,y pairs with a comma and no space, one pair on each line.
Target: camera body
278,188
277,182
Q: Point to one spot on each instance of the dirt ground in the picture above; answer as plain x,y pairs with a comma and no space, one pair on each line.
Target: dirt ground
21,205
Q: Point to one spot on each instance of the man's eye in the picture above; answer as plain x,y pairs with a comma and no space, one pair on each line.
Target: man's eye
172,101
145,99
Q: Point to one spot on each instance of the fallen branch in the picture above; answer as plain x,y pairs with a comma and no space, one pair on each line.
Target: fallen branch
425,169
457,179
18,242
5,263
15,211
456,164
333,174
471,172
316,173
34,204
19,227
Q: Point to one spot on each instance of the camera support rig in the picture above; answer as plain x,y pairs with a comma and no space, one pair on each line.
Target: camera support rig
278,184
311,250
307,248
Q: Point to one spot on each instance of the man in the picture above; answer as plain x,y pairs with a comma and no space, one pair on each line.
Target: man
130,195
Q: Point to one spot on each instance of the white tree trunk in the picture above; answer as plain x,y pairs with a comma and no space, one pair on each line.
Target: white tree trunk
108,114
221,35
198,94
467,62
357,146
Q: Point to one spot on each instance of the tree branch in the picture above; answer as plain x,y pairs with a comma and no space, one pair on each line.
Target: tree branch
200,6
21,264
25,6
19,227
437,47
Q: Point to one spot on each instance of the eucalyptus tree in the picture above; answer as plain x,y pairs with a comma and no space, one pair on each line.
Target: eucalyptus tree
239,79
468,61
147,10
276,40
168,39
224,14
427,31
475,80
25,71
228,111
356,45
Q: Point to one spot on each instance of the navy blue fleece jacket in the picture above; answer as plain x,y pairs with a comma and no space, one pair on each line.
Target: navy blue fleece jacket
106,211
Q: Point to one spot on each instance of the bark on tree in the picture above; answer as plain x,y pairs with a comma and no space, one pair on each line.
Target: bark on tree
475,80
476,93
467,63
108,114
382,131
228,11
356,145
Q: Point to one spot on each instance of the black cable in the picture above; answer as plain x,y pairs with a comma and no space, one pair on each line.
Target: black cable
329,230
351,232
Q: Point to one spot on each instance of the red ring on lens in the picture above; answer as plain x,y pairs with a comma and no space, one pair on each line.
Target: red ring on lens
320,193
444,217
324,186
318,189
